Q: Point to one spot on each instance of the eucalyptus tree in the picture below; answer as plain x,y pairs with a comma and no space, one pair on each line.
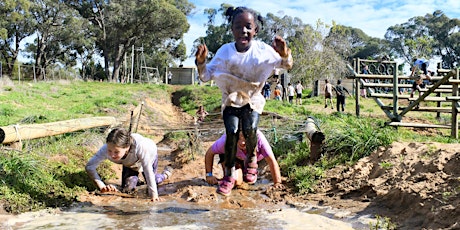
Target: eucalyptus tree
446,34
58,32
411,39
313,57
352,42
120,24
16,24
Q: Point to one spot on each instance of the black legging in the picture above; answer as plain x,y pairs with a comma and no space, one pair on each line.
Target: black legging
249,120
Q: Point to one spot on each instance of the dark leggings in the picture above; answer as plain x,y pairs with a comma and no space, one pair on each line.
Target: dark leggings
249,120
130,175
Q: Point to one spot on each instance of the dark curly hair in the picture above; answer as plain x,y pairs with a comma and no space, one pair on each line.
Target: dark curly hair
232,12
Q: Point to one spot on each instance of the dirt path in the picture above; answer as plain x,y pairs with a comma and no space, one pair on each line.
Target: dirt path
416,185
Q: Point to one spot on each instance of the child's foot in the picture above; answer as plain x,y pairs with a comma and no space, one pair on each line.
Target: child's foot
325,106
250,174
167,171
226,186
130,186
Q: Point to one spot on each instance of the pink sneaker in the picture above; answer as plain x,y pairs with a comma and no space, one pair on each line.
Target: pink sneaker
226,186
250,174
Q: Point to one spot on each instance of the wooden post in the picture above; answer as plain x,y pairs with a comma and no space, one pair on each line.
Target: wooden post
357,88
395,93
15,133
454,129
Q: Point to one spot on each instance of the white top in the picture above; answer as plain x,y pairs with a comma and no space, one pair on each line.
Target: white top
141,156
241,76
299,88
291,90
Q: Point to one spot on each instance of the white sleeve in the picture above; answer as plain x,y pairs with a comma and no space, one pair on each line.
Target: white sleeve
92,164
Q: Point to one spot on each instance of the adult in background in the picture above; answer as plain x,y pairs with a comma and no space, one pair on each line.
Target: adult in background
298,89
340,90
328,93
291,92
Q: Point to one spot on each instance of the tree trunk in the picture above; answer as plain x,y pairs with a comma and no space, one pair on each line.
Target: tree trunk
15,133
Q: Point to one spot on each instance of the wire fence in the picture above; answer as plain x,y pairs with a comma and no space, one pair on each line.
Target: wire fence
28,72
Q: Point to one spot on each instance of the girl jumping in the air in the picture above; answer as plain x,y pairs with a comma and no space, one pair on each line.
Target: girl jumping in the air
240,69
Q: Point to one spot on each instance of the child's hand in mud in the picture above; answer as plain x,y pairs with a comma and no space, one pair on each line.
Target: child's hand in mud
109,188
155,198
212,180
278,186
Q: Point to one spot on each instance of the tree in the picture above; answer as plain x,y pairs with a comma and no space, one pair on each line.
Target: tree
446,35
121,24
58,32
16,24
411,39
352,43
313,58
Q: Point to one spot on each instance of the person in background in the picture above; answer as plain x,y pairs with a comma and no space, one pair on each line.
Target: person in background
137,154
298,89
201,114
328,93
240,69
419,64
267,90
363,90
277,94
263,149
340,90
291,92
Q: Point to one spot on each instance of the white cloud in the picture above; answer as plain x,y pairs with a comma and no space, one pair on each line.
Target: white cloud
372,16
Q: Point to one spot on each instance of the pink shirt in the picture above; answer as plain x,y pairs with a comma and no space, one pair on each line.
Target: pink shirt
263,147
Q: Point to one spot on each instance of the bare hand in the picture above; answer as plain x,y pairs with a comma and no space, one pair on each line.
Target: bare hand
109,188
211,180
155,198
279,44
201,54
279,186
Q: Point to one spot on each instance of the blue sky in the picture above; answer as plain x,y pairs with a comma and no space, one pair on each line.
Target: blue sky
371,16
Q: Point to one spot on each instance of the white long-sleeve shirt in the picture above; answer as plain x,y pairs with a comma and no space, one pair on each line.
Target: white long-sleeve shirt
141,156
241,76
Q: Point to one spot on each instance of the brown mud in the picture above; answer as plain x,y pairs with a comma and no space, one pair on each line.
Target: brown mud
416,185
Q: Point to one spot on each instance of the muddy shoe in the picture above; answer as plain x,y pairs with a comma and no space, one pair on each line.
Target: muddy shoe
168,170
131,183
250,174
226,186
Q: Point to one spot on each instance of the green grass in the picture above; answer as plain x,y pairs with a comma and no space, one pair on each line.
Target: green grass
49,172
348,138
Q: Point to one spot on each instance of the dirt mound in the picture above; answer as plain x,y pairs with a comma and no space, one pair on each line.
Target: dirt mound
415,184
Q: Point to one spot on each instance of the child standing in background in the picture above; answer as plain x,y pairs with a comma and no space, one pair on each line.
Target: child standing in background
240,69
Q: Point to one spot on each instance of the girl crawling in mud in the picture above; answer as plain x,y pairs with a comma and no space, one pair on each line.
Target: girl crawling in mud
240,69
137,154
263,149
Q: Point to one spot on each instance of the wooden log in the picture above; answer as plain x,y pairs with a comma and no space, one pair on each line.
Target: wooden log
15,133
423,109
418,125
316,138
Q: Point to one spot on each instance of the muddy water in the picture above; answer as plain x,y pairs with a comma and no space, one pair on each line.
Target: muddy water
174,214
244,209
